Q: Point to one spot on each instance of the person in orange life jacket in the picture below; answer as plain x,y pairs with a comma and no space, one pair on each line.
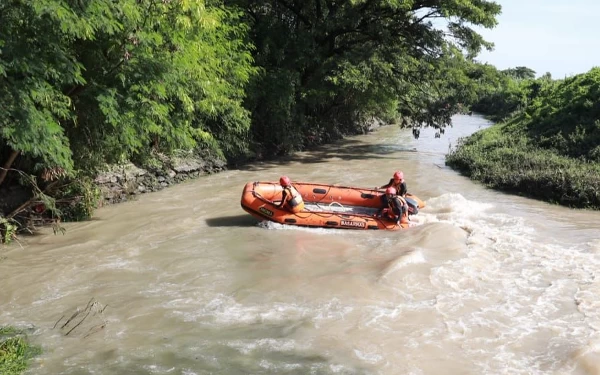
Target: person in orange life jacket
396,207
290,197
398,183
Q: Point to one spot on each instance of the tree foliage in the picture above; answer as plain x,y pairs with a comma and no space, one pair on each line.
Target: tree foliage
328,65
34,66
565,117
548,149
520,72
88,82
500,94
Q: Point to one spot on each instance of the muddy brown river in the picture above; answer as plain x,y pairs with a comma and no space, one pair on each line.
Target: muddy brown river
183,281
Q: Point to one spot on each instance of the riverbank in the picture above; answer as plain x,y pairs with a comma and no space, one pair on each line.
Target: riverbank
114,184
505,158
548,150
20,210
123,182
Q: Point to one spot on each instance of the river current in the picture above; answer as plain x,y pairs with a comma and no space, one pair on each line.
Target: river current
183,281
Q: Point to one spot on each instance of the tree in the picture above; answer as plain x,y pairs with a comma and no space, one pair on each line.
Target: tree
328,65
34,67
520,72
172,76
84,83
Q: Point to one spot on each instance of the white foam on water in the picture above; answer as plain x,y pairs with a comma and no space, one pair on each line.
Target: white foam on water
467,277
511,293
277,226
594,246
369,355
405,260
332,310
513,303
223,310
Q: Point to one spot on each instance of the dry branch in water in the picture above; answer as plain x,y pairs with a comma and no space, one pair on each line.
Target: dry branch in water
79,321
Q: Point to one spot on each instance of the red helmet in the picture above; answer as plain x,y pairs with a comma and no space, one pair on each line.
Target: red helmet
399,176
285,181
390,191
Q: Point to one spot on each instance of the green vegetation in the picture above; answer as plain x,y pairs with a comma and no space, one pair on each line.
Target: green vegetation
328,66
15,351
8,229
85,84
499,94
549,149
99,81
92,82
88,83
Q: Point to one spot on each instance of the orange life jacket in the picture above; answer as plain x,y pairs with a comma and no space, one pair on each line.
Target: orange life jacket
294,199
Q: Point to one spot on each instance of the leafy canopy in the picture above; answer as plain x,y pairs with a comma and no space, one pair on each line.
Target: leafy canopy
94,81
329,65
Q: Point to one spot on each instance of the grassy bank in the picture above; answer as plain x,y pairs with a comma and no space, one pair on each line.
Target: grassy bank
549,150
15,351
504,157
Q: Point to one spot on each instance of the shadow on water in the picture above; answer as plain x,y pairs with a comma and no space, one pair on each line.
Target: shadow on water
347,149
235,363
255,349
232,221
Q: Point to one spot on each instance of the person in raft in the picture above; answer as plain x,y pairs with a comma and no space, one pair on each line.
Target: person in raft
398,183
396,209
291,199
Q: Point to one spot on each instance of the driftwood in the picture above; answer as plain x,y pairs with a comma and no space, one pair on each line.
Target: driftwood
79,319
32,201
26,217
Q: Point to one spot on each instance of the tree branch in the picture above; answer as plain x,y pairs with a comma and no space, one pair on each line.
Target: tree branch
427,16
6,167
304,20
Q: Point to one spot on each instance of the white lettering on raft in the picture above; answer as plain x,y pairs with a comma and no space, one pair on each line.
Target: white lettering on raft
350,223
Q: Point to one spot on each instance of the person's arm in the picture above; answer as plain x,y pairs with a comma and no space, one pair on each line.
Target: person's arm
386,185
404,204
403,189
398,209
283,198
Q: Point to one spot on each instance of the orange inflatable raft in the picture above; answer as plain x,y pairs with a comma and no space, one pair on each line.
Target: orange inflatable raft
325,206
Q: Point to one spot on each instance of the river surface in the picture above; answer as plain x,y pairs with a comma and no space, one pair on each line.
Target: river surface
183,281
